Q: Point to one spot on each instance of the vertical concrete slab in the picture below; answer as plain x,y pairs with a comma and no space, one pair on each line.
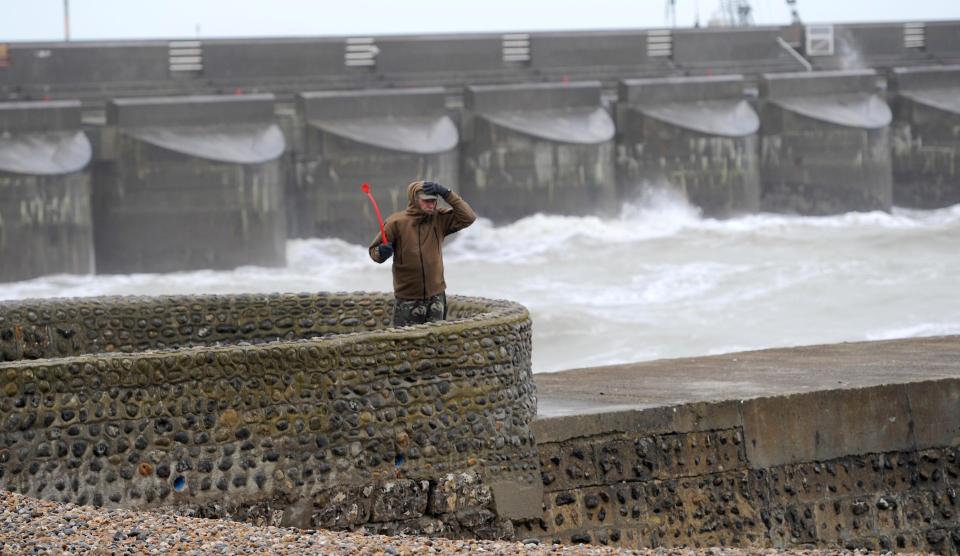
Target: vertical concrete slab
537,148
828,424
386,138
190,183
695,135
935,409
45,217
926,136
824,146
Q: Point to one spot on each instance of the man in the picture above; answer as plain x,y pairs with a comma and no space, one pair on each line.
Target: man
415,240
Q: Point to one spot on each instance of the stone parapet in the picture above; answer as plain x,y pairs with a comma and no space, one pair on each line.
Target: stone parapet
304,410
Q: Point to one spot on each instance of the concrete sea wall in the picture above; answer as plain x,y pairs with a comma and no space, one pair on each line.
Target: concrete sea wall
189,183
824,145
537,148
385,137
926,137
847,445
696,135
874,469
46,224
255,141
304,410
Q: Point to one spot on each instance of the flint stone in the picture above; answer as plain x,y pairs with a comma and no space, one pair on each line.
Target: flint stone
340,507
399,500
457,491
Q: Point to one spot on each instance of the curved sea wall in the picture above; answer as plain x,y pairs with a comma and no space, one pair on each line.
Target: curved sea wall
304,410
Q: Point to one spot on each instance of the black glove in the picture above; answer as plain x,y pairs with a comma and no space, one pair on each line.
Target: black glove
384,251
434,188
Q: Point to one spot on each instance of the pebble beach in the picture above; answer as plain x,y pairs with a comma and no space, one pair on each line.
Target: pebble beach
31,526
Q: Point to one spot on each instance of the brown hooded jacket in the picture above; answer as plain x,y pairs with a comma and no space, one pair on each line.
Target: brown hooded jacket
417,239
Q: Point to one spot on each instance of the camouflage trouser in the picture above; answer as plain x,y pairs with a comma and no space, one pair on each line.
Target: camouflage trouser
418,311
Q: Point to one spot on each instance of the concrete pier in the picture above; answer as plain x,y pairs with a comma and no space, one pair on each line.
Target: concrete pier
189,183
537,148
696,135
824,145
385,138
926,136
45,218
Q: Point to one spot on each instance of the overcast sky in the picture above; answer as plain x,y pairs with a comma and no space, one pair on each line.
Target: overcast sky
22,20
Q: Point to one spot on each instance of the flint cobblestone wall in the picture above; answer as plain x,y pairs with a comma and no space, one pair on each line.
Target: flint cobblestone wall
702,482
303,410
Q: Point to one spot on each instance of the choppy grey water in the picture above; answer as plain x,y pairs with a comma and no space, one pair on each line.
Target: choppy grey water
657,281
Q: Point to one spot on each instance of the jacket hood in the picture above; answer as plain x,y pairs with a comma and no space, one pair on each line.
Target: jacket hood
413,208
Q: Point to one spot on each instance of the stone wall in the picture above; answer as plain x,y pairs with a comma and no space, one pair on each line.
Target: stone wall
874,468
304,410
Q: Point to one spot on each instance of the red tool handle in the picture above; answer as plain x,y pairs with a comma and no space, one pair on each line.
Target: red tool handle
366,189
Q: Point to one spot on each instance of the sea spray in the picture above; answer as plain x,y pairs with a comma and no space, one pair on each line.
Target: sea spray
654,281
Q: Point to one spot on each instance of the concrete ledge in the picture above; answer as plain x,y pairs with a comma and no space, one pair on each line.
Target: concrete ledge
39,116
191,110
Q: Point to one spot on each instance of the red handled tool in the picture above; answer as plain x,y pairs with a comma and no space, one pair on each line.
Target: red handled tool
366,189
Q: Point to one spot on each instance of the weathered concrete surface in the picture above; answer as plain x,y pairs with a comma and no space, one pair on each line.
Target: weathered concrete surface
45,215
824,143
744,375
696,135
926,136
852,445
188,183
387,138
545,147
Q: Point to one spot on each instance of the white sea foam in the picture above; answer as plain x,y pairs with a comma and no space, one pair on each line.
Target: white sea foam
655,280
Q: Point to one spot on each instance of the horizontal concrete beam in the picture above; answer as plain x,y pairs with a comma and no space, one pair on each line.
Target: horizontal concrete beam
428,101
39,116
934,77
778,430
780,85
681,89
190,110
537,96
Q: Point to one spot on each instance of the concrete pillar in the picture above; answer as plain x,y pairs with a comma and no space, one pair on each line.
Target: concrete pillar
537,148
45,219
386,138
696,135
926,136
189,183
824,146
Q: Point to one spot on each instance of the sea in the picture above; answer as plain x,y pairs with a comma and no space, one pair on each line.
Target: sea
657,280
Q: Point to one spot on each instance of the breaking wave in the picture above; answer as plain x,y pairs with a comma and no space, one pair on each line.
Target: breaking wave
656,280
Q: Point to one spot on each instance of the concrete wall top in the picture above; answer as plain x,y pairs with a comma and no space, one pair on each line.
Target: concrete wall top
785,85
439,53
538,96
718,46
93,62
258,59
190,110
335,105
943,38
39,116
933,77
588,49
681,89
